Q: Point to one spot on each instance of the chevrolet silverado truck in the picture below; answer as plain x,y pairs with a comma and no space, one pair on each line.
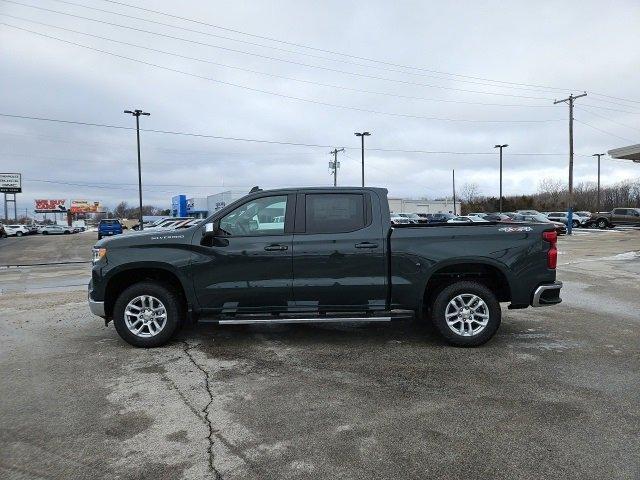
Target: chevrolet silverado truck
321,255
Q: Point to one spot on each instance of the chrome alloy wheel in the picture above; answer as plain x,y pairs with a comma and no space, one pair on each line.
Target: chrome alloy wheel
145,316
467,314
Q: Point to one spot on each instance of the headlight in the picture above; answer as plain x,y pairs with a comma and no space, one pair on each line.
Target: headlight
97,254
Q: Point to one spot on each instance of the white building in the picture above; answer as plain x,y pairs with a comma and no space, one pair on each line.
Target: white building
408,205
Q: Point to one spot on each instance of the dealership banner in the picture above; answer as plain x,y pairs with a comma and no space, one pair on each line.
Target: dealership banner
50,206
84,206
10,183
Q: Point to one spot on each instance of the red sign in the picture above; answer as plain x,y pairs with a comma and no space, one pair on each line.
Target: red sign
48,206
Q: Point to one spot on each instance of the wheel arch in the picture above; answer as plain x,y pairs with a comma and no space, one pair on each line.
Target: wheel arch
492,274
123,279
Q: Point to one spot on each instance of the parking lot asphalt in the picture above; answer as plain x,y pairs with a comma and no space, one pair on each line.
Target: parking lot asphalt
554,395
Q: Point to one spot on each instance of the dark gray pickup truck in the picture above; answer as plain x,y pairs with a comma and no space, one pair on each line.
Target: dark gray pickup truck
321,255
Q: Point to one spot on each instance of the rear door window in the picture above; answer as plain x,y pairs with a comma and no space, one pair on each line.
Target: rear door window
334,212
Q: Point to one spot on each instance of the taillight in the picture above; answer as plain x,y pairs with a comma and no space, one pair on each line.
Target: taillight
552,254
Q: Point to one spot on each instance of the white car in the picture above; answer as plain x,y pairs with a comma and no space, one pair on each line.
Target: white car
397,219
578,220
16,230
467,219
55,230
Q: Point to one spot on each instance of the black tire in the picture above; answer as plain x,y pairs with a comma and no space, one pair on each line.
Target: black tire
45,233
18,233
575,224
172,306
602,223
447,294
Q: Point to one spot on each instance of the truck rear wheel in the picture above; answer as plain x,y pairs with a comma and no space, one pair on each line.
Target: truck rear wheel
147,314
602,224
466,313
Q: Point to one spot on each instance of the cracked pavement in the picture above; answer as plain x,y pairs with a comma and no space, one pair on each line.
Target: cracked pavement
555,394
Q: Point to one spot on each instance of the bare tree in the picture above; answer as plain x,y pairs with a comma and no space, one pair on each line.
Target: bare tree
470,192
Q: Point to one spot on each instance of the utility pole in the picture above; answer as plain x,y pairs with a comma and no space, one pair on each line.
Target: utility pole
570,101
598,200
501,147
362,135
454,192
333,166
137,113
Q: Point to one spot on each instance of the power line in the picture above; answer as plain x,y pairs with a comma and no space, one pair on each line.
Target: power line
299,45
604,131
158,12
281,95
430,75
234,67
589,111
274,142
345,72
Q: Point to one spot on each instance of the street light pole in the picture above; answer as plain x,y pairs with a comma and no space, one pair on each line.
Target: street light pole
137,113
598,200
362,135
501,147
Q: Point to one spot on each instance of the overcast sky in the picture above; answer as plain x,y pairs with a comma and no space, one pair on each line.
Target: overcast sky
429,76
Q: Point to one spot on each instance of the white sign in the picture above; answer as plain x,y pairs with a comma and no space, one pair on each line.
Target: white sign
10,183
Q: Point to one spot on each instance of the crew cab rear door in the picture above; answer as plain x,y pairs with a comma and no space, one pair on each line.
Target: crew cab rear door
338,252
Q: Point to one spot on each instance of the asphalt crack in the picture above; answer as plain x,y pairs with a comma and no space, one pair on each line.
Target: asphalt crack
205,411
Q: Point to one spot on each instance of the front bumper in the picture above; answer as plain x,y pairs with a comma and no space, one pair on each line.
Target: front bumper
97,308
546,295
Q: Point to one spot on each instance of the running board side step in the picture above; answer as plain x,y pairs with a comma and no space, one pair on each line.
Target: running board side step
249,321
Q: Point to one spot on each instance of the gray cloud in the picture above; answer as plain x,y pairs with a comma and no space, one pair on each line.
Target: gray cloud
578,45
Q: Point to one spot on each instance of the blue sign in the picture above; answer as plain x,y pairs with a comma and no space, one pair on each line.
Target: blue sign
179,206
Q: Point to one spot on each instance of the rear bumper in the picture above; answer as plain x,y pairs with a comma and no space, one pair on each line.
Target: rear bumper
546,295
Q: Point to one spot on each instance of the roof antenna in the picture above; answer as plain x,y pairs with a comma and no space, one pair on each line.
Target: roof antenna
255,189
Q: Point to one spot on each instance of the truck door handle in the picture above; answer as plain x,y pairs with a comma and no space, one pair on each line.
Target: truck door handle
275,248
366,245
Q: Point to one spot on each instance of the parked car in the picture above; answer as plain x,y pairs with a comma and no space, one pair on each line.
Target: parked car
109,227
496,217
584,213
563,217
16,230
466,219
618,216
55,230
528,212
3,232
560,227
477,214
413,217
334,258
440,217
397,219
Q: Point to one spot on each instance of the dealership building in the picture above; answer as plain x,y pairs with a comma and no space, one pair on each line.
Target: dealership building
202,207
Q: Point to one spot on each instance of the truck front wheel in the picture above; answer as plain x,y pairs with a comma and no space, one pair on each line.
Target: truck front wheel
147,314
466,313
